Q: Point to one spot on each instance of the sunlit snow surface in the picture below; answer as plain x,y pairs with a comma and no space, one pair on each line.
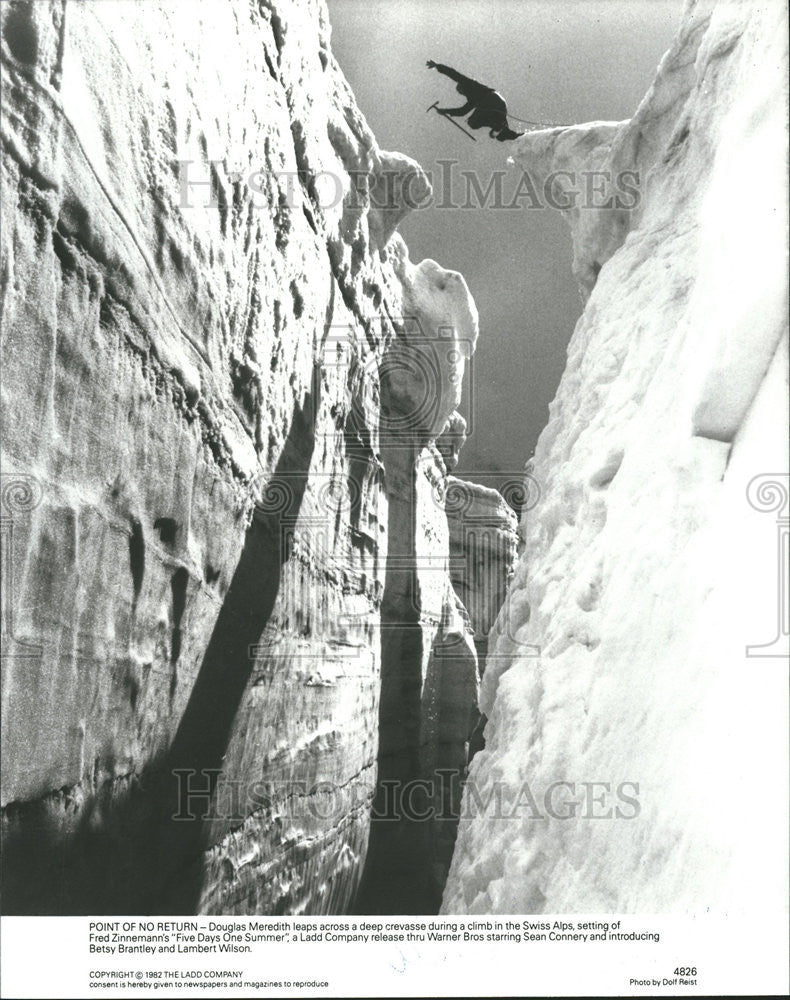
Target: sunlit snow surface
647,571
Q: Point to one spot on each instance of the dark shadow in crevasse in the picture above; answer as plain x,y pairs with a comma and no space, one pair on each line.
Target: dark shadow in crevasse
206,726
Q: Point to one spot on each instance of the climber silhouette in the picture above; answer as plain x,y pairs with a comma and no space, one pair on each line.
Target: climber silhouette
487,105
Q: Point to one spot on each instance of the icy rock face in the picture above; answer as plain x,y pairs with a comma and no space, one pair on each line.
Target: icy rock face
194,491
429,673
483,538
451,441
653,558
482,552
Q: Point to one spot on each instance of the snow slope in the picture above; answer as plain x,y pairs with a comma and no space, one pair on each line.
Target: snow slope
651,561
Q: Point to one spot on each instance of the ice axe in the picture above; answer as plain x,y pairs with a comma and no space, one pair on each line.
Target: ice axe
452,121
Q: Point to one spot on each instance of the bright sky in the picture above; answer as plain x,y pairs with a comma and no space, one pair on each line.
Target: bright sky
553,60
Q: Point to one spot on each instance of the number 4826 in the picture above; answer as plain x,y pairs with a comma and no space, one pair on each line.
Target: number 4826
685,970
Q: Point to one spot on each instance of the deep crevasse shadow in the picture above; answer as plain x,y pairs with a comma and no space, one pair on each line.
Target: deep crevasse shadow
396,878
206,726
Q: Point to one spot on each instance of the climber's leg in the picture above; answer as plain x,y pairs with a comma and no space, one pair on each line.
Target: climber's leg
505,134
479,118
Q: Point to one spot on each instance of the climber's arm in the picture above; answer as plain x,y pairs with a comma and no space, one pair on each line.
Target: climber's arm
462,81
456,112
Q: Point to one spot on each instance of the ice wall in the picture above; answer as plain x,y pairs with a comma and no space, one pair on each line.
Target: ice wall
483,541
204,302
636,755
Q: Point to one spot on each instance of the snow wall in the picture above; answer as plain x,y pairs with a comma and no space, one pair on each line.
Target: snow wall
636,686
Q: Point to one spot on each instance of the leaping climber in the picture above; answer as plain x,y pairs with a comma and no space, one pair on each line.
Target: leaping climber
487,105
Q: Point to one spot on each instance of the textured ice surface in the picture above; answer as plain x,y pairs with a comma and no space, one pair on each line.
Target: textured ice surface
201,281
620,653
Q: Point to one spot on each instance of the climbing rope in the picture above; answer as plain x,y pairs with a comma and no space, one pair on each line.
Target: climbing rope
510,119
526,121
